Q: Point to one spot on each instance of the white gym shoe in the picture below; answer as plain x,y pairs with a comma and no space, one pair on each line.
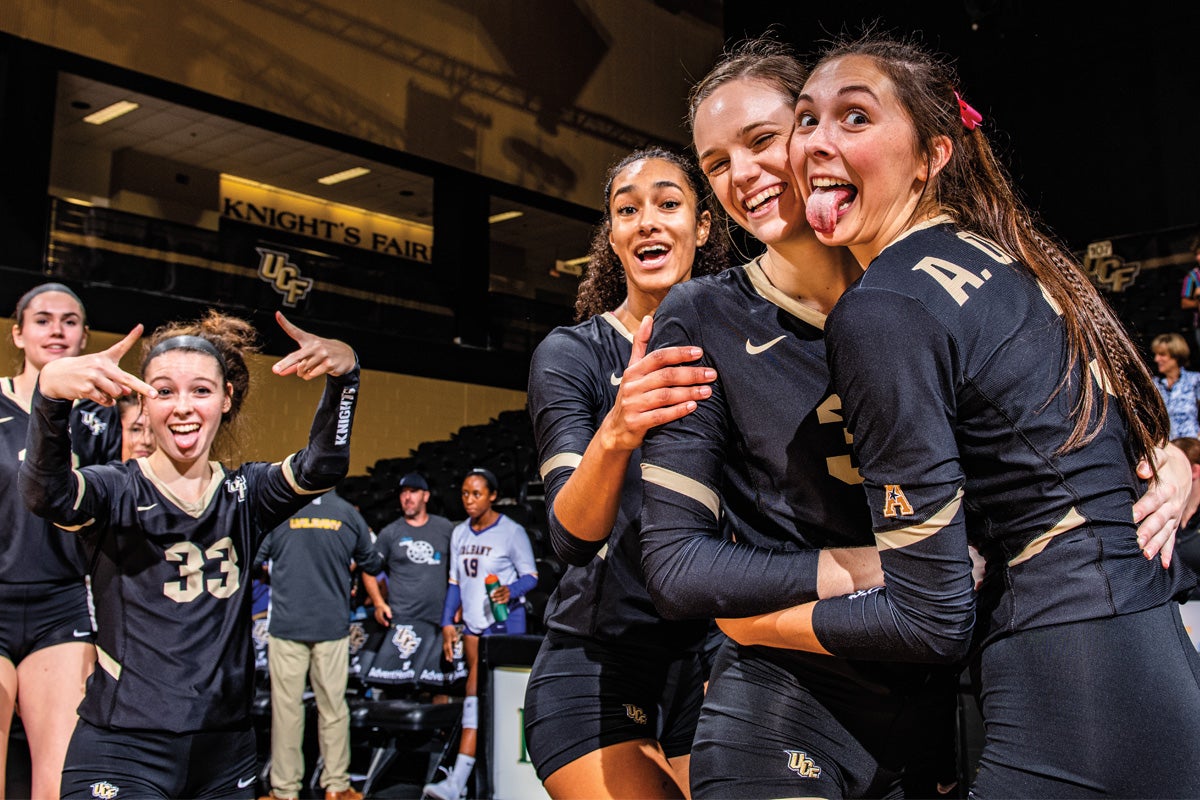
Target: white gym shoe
447,789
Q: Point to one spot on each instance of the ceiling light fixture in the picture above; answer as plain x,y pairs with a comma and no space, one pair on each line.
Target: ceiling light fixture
344,175
109,113
504,216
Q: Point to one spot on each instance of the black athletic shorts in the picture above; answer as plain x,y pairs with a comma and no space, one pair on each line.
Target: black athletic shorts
113,765
584,695
1101,708
38,615
766,732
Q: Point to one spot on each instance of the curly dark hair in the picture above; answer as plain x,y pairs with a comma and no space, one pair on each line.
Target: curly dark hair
603,287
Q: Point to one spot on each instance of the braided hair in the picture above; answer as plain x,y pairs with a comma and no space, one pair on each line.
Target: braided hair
974,189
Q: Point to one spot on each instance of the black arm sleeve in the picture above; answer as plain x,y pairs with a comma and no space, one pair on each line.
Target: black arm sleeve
47,484
564,406
691,569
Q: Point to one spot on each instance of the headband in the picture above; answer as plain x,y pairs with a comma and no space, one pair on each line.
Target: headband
186,342
488,476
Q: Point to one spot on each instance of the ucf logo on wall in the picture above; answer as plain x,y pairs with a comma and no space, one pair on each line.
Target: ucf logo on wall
284,277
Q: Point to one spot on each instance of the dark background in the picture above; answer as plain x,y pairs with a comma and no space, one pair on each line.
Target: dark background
1096,113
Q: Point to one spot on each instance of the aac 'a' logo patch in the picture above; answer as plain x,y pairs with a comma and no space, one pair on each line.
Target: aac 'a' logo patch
802,765
895,504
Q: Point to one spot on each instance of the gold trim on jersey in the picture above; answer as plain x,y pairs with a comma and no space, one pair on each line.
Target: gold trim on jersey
9,389
1072,520
611,319
80,487
108,663
557,460
290,477
1101,381
903,537
762,284
684,485
191,509
932,222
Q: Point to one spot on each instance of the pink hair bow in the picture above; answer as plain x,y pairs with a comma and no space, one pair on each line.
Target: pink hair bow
970,117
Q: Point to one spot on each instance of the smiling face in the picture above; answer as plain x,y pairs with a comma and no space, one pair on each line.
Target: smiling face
1166,363
192,397
654,229
857,160
137,439
477,498
50,328
741,132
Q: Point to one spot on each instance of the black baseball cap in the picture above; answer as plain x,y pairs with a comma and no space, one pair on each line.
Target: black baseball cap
414,480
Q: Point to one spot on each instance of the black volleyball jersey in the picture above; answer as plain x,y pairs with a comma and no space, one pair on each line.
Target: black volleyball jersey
171,579
768,450
33,551
949,358
768,453
573,381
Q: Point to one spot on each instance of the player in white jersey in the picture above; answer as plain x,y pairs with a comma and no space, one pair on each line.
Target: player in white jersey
486,544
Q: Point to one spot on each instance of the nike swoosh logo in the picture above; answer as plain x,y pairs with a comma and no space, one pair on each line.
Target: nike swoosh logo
614,379
147,508
80,634
5,419
755,349
244,782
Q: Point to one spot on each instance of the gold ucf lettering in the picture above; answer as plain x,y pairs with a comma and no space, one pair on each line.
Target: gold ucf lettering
315,522
802,765
284,276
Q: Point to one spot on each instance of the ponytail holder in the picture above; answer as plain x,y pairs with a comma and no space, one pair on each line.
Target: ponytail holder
970,117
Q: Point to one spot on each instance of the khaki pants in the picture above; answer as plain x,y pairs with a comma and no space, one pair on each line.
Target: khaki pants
326,665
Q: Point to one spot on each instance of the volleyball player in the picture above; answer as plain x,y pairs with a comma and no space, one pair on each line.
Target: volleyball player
615,690
485,544
1027,398
136,438
769,451
170,539
46,650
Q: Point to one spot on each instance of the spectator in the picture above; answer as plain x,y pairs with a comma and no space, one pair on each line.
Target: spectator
487,543
416,555
309,559
1188,299
136,438
1180,388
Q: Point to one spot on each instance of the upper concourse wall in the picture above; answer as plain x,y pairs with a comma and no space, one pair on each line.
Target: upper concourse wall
542,94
